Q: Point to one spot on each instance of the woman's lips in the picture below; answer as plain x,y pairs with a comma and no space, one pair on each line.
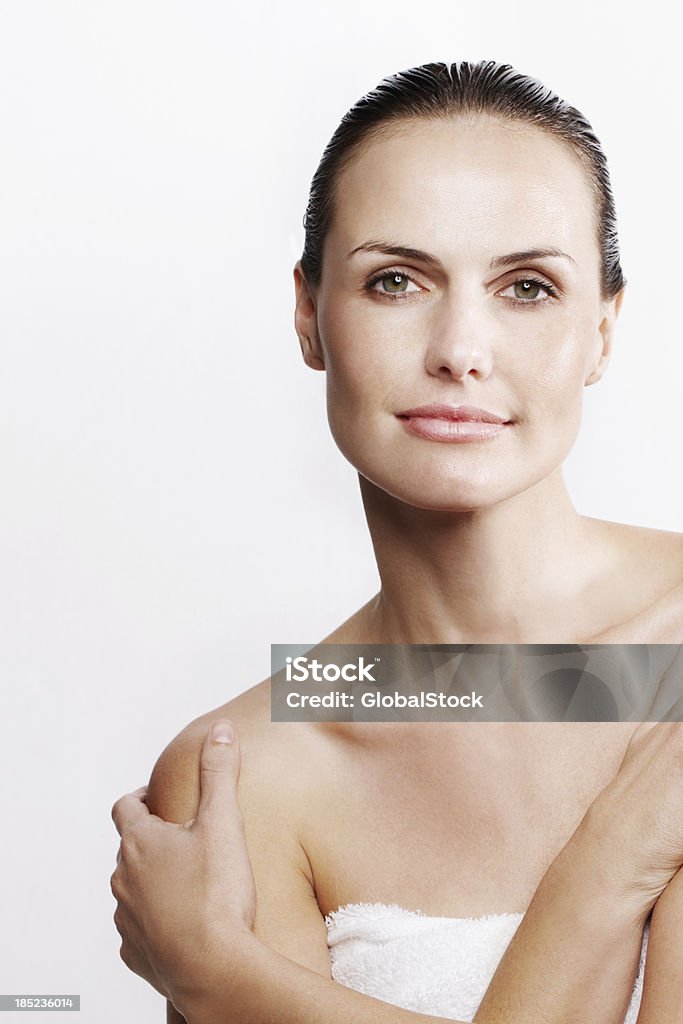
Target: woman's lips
452,423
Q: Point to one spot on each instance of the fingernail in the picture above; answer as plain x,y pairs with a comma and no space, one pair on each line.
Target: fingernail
223,732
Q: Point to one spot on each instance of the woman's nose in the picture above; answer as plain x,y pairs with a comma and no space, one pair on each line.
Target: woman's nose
460,340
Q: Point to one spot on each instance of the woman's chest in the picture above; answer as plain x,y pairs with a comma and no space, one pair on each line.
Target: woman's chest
458,821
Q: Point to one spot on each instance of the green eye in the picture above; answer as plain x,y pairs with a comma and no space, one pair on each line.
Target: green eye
397,282
392,284
527,289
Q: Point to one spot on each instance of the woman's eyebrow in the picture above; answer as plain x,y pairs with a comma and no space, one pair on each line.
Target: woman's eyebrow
394,249
528,254
408,253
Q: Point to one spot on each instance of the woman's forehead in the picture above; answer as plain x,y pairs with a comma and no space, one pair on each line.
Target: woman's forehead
478,184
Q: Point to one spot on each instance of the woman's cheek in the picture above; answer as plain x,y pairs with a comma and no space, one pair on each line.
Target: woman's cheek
555,364
363,365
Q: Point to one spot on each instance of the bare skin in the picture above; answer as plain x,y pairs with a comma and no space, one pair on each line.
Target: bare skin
484,774
475,542
635,597
329,805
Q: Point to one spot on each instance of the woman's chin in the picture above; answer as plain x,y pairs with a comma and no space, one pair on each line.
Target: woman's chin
441,495
463,485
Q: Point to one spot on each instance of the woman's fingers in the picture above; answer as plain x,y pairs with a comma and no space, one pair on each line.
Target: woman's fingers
183,890
219,822
131,953
130,808
218,775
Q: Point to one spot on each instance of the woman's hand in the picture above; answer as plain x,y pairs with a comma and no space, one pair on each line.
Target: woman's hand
637,819
185,893
126,810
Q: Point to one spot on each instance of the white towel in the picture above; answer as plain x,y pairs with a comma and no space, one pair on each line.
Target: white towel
436,965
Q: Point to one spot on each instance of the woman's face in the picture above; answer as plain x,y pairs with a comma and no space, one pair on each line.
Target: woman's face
435,289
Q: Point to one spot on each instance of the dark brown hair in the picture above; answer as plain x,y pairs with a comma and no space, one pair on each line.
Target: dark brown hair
441,91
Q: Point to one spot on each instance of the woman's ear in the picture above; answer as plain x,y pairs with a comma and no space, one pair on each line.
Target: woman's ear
306,322
605,338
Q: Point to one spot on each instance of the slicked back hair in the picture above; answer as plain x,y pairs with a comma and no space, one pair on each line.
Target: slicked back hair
441,91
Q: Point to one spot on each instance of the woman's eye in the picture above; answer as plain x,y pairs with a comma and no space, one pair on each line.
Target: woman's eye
529,290
392,283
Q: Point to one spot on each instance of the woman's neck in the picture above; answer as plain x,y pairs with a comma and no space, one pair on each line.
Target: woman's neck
516,572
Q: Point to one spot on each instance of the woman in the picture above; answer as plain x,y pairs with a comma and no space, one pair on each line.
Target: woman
460,285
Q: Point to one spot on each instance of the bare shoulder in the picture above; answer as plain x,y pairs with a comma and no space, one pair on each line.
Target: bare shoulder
265,749
640,538
648,568
274,775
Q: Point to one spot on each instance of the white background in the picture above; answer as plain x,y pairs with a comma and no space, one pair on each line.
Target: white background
172,501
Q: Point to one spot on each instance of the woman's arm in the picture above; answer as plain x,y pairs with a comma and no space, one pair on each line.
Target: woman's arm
287,917
662,1000
576,953
573,957
566,967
